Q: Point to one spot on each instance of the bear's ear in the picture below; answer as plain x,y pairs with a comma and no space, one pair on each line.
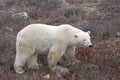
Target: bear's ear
88,32
75,36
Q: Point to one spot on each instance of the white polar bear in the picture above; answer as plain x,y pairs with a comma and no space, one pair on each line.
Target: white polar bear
55,41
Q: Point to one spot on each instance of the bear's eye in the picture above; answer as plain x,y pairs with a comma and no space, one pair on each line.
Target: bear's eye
84,39
75,36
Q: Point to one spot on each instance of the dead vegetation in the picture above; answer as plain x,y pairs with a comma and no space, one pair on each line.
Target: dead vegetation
101,17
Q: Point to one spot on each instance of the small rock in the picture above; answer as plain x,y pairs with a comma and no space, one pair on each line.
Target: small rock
58,74
2,11
9,2
62,69
64,3
9,29
118,34
47,76
88,7
20,16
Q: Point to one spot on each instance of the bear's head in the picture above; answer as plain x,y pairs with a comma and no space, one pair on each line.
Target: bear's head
83,39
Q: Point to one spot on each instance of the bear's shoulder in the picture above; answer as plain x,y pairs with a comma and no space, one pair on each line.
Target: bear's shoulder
69,28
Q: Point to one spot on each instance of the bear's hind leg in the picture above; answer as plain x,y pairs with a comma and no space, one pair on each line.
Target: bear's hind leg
32,62
22,55
19,62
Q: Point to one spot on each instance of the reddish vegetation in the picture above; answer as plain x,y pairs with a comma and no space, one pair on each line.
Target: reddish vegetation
101,17
85,53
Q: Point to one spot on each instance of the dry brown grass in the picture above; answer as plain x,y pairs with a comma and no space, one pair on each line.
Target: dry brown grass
101,18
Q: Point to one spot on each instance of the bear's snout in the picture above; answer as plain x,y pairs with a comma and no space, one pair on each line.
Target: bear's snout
90,46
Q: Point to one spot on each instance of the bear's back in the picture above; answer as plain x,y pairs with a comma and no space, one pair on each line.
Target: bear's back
37,28
41,36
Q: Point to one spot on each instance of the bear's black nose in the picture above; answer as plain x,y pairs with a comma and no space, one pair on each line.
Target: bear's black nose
90,46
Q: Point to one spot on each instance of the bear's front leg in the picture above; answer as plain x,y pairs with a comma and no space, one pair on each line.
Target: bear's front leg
53,58
32,62
70,55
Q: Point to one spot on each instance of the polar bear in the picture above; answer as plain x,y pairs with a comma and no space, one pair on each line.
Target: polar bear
55,41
